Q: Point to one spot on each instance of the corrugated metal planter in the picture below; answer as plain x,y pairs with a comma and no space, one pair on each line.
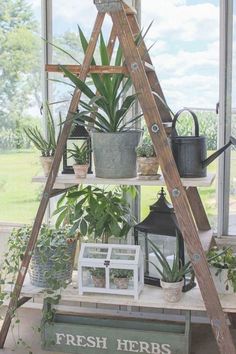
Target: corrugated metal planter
114,154
91,335
37,268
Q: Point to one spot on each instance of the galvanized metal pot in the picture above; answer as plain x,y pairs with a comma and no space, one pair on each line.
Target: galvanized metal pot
114,154
190,152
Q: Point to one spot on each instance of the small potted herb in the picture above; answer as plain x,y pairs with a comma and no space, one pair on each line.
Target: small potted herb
45,144
223,269
121,277
80,154
172,275
98,276
147,160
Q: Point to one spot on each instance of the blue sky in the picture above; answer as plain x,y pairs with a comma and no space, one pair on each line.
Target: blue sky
186,53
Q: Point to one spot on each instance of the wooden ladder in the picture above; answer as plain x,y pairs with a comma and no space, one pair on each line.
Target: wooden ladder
187,204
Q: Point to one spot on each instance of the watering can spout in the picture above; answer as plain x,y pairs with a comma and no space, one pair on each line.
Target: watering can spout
211,158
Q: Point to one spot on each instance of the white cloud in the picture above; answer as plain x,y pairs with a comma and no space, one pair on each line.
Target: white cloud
184,22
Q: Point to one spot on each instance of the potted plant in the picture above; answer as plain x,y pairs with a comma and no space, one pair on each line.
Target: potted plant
97,212
223,269
80,154
114,138
52,260
172,275
98,276
45,144
147,160
121,277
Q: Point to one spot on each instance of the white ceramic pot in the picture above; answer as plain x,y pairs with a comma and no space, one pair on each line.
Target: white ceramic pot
223,286
147,166
172,291
80,170
46,162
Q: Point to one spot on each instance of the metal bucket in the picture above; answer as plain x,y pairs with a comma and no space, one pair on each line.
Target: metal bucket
114,154
189,151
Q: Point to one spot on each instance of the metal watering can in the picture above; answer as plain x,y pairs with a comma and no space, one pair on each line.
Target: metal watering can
190,152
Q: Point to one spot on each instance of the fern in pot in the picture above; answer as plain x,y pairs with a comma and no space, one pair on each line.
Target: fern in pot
172,275
114,138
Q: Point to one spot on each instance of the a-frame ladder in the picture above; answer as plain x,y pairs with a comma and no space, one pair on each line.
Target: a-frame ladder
125,25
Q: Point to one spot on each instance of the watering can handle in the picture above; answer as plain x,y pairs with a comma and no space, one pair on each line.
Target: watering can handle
194,116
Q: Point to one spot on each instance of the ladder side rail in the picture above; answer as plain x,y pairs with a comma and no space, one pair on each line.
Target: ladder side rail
152,76
198,210
50,182
174,185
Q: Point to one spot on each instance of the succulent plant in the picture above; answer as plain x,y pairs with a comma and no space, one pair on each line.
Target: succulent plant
80,154
145,149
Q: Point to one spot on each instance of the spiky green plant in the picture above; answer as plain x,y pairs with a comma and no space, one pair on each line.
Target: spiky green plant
145,149
80,154
45,144
170,273
104,110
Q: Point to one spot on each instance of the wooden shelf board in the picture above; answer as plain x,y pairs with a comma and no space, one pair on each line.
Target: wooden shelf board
65,181
150,297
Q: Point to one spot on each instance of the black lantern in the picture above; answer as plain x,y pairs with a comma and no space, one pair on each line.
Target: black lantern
161,227
78,136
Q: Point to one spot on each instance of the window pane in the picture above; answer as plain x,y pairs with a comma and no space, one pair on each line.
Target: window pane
186,57
20,100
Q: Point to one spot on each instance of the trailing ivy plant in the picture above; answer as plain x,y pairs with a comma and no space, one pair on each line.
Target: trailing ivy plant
50,241
224,259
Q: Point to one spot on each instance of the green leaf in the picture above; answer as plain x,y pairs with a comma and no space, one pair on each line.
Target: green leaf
83,227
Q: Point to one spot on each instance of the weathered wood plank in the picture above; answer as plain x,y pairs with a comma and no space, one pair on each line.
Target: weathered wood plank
198,210
93,69
63,181
174,185
152,76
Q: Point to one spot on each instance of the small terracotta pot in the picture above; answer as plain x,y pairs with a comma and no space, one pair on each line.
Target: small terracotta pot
46,162
80,170
98,282
121,283
172,291
147,166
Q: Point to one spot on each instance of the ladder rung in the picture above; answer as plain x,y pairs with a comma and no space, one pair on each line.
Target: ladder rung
94,69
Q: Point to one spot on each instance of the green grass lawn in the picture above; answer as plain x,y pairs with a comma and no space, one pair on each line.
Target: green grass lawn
20,197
